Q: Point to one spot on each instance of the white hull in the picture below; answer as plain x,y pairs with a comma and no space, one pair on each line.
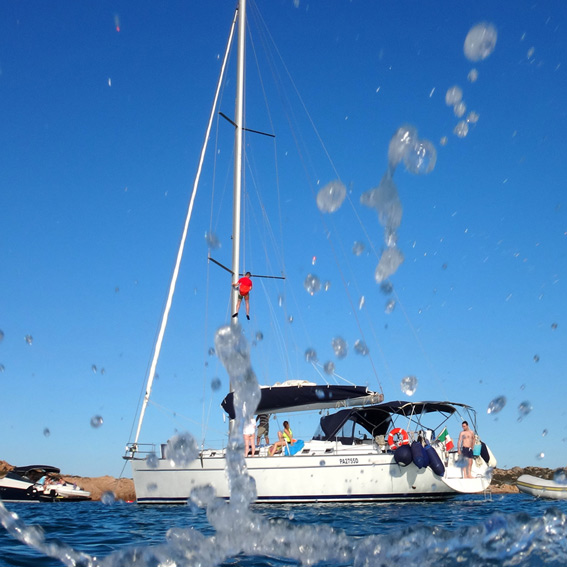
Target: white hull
542,488
324,472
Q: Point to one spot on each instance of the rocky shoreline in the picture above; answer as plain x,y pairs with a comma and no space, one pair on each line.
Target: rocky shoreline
503,482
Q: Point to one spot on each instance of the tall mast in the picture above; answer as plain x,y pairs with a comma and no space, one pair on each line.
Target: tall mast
237,176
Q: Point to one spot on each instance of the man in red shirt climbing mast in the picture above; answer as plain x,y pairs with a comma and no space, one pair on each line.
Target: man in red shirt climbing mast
244,286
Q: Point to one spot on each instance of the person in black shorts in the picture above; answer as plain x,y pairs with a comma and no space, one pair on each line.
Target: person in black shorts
465,446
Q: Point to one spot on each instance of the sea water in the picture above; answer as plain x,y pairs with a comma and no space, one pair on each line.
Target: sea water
467,530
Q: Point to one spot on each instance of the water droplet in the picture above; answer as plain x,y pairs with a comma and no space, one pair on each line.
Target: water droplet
102,371
181,449
46,432
108,498
152,461
554,326
361,303
480,41
280,300
361,348
329,368
29,339
152,487
536,357
472,76
340,347
357,248
390,306
560,476
211,351
461,129
453,96
459,109
400,142
93,368
523,410
327,286
290,319
386,288
408,385
259,336
473,117
312,284
216,384
420,158
322,463
96,421
331,197
496,405
443,141
544,433
313,260
390,261
540,456
310,355
212,241
1,336
2,368
320,393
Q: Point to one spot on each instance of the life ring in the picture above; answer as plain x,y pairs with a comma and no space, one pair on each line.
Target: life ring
403,438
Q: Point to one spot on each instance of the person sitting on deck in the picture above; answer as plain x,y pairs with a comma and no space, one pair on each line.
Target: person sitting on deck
285,438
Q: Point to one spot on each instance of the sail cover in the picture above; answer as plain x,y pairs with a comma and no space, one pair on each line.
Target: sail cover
289,398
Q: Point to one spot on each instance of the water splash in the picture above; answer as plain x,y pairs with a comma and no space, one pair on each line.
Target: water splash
480,41
331,197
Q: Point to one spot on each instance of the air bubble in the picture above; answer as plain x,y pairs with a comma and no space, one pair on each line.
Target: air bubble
496,405
480,41
544,433
331,197
312,284
472,76
216,384
211,351
357,248
553,326
29,339
361,348
453,96
96,421
340,347
523,410
408,385
181,449
212,240
329,368
310,355
94,368
259,336
536,357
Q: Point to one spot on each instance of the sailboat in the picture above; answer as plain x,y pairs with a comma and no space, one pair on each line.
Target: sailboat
365,449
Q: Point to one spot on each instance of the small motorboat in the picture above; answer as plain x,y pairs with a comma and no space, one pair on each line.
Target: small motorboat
39,483
543,488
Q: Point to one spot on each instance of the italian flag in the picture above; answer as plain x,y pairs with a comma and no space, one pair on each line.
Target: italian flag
444,438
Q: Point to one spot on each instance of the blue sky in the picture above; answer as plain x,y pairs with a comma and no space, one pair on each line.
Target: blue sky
104,108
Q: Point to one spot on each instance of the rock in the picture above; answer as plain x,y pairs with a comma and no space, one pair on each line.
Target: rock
123,488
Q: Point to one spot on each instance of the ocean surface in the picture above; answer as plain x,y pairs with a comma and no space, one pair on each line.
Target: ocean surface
465,531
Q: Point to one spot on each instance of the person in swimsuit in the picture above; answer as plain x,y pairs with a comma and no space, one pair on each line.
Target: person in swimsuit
244,286
465,446
285,438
